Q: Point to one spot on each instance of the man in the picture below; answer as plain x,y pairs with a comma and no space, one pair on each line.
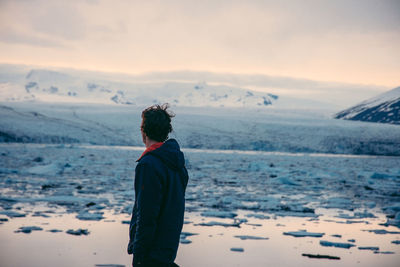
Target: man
160,184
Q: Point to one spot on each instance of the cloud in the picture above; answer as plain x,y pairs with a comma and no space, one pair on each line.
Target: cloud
343,40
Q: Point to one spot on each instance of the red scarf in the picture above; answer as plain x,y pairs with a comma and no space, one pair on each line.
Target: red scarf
151,148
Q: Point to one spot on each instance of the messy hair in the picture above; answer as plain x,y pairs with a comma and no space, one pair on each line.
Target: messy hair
157,122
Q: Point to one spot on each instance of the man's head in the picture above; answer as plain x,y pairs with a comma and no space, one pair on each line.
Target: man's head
156,123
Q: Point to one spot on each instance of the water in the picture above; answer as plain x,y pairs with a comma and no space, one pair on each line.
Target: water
333,194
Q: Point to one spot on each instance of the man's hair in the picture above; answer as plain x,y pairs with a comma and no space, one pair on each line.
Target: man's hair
157,122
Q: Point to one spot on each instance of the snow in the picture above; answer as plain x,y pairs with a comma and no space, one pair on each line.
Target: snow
383,108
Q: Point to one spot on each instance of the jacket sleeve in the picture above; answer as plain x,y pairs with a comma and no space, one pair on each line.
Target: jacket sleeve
148,190
132,230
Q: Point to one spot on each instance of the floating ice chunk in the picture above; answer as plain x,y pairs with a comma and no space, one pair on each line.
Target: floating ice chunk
250,237
258,216
368,248
247,205
126,222
214,223
186,234
54,231
335,244
40,214
219,214
393,222
12,214
3,220
296,214
357,215
370,204
237,249
44,169
183,237
339,203
87,216
356,221
382,232
397,242
393,209
351,240
336,235
287,181
304,233
8,171
78,232
318,256
377,175
383,252
28,229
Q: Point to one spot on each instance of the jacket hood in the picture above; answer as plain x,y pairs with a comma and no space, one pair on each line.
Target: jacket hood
170,154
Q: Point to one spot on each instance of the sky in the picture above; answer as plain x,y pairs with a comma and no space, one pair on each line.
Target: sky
342,41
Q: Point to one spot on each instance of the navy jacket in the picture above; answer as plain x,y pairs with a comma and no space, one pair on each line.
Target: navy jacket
157,217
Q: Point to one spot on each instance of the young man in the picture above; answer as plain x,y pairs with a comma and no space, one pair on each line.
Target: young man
160,184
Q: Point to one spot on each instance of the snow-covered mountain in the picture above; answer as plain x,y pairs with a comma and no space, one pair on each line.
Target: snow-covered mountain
384,108
56,86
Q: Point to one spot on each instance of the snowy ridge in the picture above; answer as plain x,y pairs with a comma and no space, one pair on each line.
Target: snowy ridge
55,86
204,128
384,108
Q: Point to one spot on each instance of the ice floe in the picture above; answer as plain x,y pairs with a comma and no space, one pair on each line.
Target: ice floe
304,233
219,214
250,237
369,248
318,256
335,244
237,249
28,229
78,231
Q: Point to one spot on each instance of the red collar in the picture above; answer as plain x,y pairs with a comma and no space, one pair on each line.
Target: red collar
151,148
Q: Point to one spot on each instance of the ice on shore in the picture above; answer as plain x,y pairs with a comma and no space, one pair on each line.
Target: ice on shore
304,233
